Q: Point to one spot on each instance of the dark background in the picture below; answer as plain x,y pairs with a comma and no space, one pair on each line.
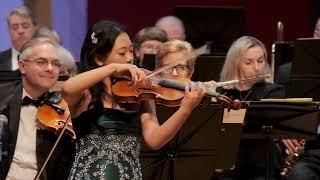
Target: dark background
261,16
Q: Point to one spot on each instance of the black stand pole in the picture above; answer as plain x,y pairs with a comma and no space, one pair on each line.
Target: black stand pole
267,129
267,161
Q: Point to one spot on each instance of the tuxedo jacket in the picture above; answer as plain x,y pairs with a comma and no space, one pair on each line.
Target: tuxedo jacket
283,74
5,60
60,162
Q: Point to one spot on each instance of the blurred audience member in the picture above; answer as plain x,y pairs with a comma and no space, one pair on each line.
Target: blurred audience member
48,33
316,32
68,63
21,25
173,26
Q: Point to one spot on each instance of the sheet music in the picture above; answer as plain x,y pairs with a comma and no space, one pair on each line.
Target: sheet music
233,116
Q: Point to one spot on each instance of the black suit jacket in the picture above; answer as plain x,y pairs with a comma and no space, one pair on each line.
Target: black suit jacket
60,163
5,60
283,74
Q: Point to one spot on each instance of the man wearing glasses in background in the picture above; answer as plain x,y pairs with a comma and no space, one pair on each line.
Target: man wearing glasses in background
147,41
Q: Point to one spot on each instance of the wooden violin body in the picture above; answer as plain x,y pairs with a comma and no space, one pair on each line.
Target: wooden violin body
53,113
166,92
127,93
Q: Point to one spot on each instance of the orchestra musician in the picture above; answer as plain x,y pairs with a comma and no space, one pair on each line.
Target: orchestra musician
25,146
247,58
173,26
21,25
108,131
148,41
307,166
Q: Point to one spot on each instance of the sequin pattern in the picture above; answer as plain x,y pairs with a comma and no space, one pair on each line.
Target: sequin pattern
107,156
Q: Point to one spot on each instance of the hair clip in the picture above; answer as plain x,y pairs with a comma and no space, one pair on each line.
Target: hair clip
94,40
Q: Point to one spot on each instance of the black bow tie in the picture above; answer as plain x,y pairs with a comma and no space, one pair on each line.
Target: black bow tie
28,101
34,102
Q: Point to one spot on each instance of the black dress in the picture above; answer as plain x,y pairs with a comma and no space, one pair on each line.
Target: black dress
108,145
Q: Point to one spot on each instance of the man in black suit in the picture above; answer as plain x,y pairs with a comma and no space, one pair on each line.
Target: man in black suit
21,25
283,74
25,146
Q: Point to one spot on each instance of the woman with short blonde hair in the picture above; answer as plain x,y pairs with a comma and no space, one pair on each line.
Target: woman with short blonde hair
176,46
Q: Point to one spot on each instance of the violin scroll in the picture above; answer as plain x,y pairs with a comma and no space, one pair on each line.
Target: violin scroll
227,102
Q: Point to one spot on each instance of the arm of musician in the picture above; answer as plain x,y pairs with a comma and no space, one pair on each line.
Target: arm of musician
292,145
74,88
156,135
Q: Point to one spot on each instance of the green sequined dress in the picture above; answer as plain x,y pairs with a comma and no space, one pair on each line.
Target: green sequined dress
108,145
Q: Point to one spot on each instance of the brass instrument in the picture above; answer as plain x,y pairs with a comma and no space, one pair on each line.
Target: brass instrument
291,160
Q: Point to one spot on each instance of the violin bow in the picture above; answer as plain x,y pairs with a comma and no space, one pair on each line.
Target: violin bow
53,148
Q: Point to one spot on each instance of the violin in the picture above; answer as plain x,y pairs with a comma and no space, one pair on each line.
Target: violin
53,113
165,91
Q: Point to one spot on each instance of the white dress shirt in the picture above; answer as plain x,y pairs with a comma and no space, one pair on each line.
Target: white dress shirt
24,162
14,59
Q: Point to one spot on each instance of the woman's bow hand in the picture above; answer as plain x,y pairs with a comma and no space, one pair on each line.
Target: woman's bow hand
128,70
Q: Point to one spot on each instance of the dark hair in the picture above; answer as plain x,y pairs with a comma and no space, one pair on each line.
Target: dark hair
98,43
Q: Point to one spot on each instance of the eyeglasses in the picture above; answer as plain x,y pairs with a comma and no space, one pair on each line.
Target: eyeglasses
150,47
42,62
180,69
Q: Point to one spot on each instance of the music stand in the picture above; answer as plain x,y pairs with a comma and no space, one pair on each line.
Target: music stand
208,67
277,120
9,81
305,72
149,61
283,53
220,34
203,144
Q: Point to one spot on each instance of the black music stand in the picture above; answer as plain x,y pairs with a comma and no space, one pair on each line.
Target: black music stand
203,144
207,68
220,34
277,120
149,61
305,72
283,53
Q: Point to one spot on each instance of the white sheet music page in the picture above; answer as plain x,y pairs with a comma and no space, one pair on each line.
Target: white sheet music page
233,116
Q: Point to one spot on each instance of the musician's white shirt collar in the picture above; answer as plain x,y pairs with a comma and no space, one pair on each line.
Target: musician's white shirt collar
24,162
